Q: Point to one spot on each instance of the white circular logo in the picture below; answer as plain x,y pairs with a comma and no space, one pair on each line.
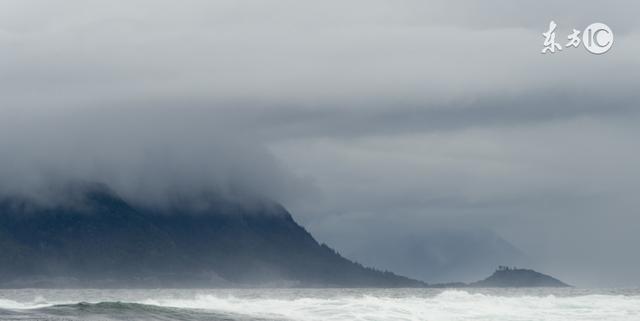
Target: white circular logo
597,38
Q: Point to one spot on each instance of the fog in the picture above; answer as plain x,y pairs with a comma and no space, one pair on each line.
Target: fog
382,116
146,156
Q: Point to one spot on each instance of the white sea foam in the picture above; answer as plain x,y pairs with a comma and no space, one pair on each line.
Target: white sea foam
370,305
36,303
449,305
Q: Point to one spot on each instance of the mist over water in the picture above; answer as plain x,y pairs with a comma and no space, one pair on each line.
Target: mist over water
322,304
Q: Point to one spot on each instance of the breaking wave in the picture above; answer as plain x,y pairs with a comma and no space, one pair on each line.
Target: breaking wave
341,305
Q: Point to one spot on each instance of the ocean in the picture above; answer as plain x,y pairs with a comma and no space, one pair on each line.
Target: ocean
322,304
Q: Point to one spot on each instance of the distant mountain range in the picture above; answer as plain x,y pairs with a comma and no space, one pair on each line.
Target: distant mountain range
436,254
96,239
90,237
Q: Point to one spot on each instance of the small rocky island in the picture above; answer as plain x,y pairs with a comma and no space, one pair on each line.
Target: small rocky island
515,277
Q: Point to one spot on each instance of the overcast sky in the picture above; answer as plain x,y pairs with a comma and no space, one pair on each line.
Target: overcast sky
357,115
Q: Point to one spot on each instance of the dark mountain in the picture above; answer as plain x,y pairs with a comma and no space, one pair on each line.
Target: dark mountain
513,277
96,239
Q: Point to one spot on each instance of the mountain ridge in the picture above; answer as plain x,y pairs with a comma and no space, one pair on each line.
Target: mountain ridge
90,237
99,239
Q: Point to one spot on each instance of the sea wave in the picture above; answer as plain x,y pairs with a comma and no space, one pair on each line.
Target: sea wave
447,305
104,311
37,302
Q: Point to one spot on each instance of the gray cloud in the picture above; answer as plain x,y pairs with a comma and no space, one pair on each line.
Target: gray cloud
144,155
